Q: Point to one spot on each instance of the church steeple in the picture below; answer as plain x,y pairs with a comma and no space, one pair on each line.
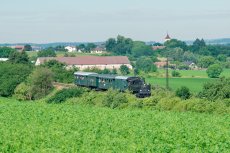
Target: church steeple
167,38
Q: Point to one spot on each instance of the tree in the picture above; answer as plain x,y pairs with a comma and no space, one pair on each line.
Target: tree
11,75
145,64
121,46
5,52
206,61
141,49
19,57
124,70
198,44
81,47
90,46
183,92
110,44
61,74
47,53
40,82
174,43
222,58
214,71
27,47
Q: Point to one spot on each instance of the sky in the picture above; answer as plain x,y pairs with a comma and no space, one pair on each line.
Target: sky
44,21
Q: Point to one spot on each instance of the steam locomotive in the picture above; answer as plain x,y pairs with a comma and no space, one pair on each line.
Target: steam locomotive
104,81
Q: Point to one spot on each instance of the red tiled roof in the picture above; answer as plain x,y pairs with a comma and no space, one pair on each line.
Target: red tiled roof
88,60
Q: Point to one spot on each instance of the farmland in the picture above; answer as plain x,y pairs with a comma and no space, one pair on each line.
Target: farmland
40,127
193,79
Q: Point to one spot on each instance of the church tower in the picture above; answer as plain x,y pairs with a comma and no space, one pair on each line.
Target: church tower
167,38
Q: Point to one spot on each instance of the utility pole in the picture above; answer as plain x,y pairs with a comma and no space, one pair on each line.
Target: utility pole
167,73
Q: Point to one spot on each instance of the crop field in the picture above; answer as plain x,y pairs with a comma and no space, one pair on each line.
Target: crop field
40,127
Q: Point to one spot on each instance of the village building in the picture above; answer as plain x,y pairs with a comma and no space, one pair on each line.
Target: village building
18,47
71,48
191,65
98,50
161,64
84,62
157,47
3,59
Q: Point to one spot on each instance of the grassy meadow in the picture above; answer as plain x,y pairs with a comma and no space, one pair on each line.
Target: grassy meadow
41,127
193,79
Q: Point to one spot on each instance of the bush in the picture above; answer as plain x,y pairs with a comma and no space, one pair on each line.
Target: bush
219,89
214,71
124,70
114,99
64,94
183,92
176,74
22,92
12,75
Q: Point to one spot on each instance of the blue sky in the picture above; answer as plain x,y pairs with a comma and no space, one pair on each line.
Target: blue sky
42,21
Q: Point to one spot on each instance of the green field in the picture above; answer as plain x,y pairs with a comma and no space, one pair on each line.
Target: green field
40,127
194,73
194,84
193,79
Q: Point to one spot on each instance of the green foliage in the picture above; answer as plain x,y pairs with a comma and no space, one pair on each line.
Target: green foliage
176,73
5,52
219,89
64,94
27,47
183,92
23,92
119,46
19,57
174,43
214,71
145,64
141,49
61,74
222,58
89,47
124,70
182,66
47,53
11,75
206,61
198,44
114,99
40,82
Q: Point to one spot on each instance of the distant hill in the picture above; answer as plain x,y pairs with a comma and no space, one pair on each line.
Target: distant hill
221,41
46,45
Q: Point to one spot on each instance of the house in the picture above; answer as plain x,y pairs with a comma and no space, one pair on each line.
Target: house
84,62
71,48
18,48
161,64
98,50
36,48
3,59
191,65
157,47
